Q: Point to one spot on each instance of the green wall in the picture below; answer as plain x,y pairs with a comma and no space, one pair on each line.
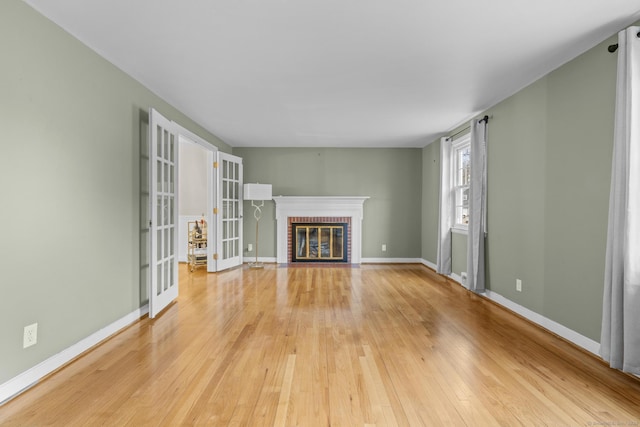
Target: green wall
391,177
72,126
549,166
580,122
517,175
430,197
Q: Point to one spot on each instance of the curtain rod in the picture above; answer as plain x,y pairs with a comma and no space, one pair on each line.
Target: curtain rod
484,119
613,47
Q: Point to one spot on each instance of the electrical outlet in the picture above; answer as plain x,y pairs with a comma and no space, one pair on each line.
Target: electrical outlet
384,247
518,285
30,335
249,247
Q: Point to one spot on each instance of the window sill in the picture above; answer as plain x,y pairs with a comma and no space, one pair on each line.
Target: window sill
459,230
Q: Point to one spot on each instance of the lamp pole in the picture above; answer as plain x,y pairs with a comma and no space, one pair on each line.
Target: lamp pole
257,192
257,214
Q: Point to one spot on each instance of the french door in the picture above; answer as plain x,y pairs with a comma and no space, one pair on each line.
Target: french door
229,212
163,149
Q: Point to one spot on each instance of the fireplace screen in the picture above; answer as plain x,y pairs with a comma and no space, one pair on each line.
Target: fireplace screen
319,242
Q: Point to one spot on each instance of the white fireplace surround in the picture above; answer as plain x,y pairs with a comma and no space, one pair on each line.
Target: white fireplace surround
319,206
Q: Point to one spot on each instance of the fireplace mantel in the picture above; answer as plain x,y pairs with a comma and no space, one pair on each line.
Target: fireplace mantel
319,206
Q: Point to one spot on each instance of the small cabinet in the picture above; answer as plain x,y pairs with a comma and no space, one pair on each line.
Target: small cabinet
197,244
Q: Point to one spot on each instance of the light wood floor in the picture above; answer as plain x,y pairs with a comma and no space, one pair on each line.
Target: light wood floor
339,346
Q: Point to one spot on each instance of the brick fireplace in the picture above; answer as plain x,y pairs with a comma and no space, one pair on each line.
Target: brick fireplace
302,225
319,210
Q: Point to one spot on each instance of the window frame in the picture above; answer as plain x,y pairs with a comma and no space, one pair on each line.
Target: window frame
457,188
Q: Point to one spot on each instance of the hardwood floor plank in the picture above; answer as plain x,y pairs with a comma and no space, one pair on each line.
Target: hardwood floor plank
383,345
285,392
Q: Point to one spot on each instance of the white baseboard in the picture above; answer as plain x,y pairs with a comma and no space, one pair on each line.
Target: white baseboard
262,259
452,276
555,327
457,278
362,260
30,377
390,261
548,324
428,264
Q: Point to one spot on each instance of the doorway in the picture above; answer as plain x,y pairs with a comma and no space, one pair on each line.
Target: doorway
192,190
197,194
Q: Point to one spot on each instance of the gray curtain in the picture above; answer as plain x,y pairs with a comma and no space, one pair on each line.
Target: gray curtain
445,222
477,206
620,337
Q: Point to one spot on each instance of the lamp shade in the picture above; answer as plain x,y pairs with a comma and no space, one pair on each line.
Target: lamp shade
257,192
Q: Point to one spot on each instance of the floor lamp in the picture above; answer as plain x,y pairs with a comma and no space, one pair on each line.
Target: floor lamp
257,192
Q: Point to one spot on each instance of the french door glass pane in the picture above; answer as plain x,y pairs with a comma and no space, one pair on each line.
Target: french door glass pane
172,179
171,148
166,242
171,241
166,276
159,175
160,132
165,144
159,281
172,204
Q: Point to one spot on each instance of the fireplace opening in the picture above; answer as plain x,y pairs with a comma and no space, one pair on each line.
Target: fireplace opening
319,242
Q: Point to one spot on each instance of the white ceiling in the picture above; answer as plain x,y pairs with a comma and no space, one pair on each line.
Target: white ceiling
337,73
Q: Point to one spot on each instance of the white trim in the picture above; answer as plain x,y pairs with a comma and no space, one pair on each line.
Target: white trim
457,144
391,261
548,324
192,137
555,327
262,259
319,206
429,264
212,202
31,376
457,278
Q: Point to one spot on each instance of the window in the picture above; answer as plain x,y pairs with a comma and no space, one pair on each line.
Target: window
461,169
